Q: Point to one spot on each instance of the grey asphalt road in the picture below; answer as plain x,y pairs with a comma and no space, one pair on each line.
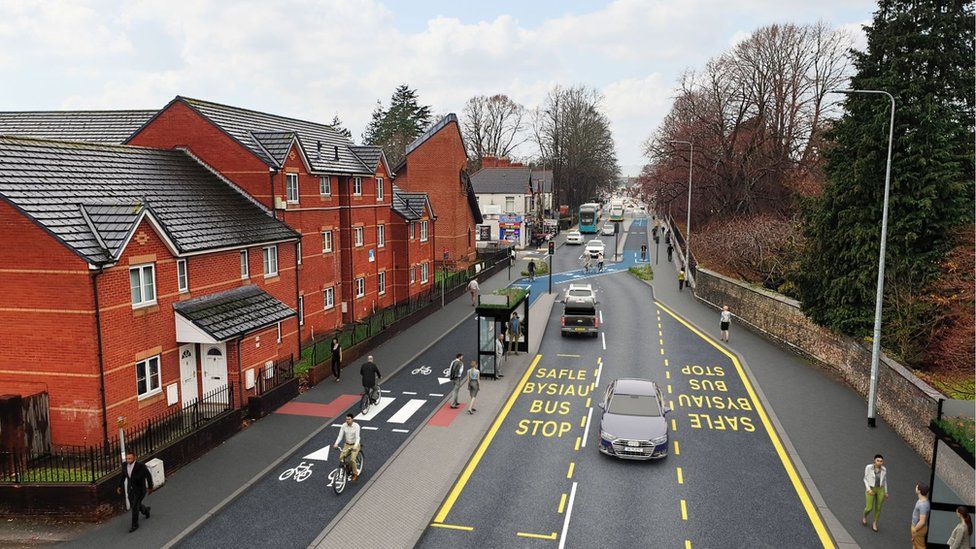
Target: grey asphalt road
539,483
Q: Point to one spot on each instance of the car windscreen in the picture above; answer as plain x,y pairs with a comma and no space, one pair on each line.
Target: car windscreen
634,405
580,293
579,310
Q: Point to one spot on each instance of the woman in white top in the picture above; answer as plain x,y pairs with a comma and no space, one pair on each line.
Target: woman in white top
473,290
725,318
876,490
962,535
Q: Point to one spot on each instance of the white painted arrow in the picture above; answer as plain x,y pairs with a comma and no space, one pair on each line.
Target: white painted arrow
443,380
321,454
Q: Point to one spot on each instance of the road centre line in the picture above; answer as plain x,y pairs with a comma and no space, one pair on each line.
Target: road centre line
536,536
562,503
368,428
436,394
667,374
409,393
677,449
662,351
586,432
572,467
666,362
400,430
603,335
669,389
576,447
681,478
798,486
674,425
569,514
480,452
684,510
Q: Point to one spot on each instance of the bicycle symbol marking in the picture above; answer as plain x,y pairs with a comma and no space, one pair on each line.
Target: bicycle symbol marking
301,472
423,370
447,372
332,476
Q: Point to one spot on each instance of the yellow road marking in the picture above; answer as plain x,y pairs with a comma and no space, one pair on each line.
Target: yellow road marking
784,458
671,404
595,371
666,362
587,402
536,536
572,467
667,374
451,526
661,341
593,386
562,503
567,356
576,448
669,388
684,510
687,544
662,350
480,452
674,425
599,360
677,449
681,478
583,421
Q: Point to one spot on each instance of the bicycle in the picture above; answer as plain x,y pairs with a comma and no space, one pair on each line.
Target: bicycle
370,397
340,475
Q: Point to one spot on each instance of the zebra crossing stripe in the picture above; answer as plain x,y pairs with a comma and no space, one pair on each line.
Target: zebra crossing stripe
408,409
375,409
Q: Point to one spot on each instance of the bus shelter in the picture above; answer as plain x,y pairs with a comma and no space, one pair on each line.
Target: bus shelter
492,315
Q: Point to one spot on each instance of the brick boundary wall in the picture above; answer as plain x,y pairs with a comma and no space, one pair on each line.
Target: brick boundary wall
903,400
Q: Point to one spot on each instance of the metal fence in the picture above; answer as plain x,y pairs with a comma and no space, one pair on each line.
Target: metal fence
272,376
74,464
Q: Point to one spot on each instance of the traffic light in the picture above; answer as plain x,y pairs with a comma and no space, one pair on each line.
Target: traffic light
552,247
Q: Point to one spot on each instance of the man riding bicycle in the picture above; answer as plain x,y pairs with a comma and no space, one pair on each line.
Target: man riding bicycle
351,443
370,374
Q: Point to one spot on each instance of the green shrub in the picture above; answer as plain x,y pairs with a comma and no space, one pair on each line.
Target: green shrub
961,430
642,272
541,268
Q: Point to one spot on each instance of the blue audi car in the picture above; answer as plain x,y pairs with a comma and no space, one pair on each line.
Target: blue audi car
633,425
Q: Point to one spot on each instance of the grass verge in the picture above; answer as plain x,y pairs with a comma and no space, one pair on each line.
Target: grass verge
642,272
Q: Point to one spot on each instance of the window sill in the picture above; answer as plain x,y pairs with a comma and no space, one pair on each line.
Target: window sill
271,279
149,399
145,309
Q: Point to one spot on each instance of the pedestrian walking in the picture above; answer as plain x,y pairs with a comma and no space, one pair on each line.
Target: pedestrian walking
962,534
724,319
514,331
876,490
474,385
532,270
681,280
456,375
920,516
136,483
599,261
499,354
336,358
670,251
643,252
473,289
587,262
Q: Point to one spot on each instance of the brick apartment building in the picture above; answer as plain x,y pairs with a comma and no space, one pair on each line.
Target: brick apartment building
436,164
134,281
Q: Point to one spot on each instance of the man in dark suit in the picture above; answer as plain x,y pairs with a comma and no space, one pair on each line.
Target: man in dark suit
137,482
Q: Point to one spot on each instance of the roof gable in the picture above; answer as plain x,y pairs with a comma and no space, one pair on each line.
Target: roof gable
502,181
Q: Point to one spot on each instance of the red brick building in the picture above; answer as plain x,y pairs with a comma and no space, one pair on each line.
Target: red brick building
135,281
436,164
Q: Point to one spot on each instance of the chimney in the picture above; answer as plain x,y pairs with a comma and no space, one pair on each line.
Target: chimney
336,149
489,161
318,149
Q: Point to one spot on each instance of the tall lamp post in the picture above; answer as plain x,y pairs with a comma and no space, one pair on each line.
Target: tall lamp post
876,341
691,163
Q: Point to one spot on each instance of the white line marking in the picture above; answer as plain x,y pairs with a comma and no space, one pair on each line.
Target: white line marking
586,432
376,408
435,394
401,431
603,335
408,409
409,393
371,428
601,317
385,391
569,512
599,371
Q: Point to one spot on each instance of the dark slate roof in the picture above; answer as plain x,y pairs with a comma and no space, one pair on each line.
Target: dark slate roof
276,144
501,181
243,124
91,196
432,131
410,206
370,155
109,127
542,181
233,313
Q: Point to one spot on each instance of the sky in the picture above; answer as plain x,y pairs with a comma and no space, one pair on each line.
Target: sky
317,58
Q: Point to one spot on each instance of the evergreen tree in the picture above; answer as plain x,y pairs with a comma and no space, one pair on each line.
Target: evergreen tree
394,128
336,125
920,51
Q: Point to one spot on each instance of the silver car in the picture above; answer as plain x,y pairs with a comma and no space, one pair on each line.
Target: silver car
633,425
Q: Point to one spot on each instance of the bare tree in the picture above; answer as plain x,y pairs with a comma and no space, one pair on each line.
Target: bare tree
492,125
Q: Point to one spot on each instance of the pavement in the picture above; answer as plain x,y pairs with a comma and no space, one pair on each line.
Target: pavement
234,479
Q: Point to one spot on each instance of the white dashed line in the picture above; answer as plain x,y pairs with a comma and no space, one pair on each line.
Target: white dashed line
435,394
603,335
601,317
400,431
409,393
569,512
368,428
586,432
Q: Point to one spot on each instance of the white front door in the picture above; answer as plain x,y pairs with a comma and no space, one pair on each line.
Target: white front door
188,374
214,371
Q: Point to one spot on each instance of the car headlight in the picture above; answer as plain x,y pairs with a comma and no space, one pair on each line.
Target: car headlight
607,436
659,440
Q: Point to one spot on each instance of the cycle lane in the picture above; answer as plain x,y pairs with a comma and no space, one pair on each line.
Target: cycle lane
297,492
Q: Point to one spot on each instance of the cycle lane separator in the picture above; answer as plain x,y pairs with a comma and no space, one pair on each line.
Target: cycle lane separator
775,437
195,525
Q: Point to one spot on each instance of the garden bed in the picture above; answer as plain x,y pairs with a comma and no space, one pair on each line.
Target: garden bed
958,434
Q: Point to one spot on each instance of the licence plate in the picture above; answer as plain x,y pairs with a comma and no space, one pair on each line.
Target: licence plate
633,444
580,329
633,450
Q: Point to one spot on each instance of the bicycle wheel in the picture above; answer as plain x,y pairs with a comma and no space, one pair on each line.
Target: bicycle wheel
364,403
339,482
359,463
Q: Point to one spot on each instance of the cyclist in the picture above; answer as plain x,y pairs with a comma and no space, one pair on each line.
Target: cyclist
351,443
586,262
643,252
599,261
371,374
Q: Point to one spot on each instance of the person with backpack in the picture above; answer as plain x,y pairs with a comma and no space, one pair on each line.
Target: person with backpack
456,375
474,384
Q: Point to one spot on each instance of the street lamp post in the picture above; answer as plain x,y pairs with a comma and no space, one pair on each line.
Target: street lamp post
691,164
876,341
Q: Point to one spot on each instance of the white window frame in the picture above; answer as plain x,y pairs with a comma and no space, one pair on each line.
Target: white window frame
329,298
413,274
424,273
301,310
291,184
298,251
245,266
279,332
412,231
266,258
142,269
149,376
423,231
379,189
358,236
509,209
326,242
360,287
381,236
182,280
325,186
381,282
357,186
